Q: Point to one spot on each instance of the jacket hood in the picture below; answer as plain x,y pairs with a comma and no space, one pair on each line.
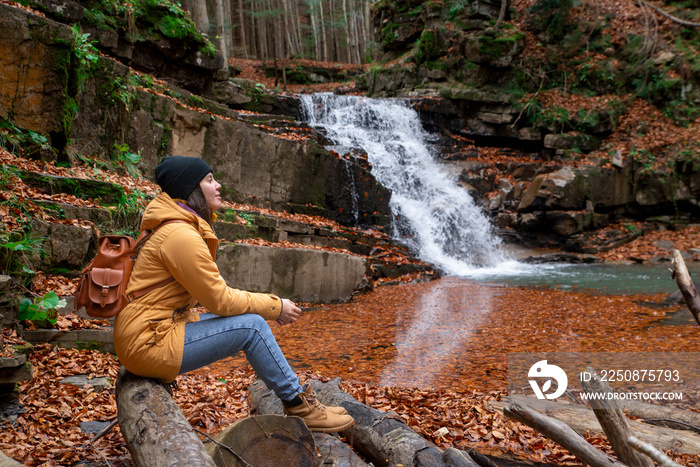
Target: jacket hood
163,208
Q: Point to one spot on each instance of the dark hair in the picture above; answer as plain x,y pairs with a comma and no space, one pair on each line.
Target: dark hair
198,202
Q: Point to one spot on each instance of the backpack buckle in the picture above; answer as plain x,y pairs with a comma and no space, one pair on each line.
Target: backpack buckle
105,292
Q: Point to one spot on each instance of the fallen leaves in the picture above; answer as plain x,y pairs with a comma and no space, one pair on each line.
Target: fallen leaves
377,338
48,432
657,244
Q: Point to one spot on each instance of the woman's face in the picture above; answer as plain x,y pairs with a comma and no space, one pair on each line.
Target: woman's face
210,188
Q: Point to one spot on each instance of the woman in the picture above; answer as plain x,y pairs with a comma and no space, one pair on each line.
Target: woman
158,336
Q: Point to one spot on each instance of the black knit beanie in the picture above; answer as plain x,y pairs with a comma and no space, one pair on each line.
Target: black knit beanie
179,175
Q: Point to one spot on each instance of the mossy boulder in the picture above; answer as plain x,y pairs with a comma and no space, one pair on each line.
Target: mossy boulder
107,193
497,50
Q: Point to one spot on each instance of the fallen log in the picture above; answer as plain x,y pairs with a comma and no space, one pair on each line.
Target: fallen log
264,440
660,415
332,451
581,419
154,428
650,451
561,434
613,420
381,436
685,284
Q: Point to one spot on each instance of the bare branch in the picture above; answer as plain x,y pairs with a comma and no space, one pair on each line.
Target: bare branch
671,17
650,451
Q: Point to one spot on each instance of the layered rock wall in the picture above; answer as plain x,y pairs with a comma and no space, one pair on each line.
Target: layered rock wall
107,114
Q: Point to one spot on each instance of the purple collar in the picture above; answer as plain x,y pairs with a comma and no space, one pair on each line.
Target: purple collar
187,208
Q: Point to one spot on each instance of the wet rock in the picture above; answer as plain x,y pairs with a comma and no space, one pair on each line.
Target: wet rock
524,171
617,159
483,183
5,283
561,258
63,10
10,408
33,88
473,192
530,134
676,298
66,246
571,189
661,190
93,427
504,185
565,223
496,52
302,274
108,193
504,219
229,93
496,201
14,370
93,339
664,245
530,221
81,380
570,141
592,242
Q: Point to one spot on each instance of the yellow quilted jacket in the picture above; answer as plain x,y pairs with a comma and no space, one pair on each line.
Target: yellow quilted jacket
148,335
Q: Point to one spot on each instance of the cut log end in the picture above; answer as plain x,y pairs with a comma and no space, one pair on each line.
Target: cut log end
265,440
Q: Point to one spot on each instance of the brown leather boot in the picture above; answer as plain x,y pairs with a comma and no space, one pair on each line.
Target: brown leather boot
336,409
317,416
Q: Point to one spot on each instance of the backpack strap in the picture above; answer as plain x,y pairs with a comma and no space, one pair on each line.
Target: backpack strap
143,238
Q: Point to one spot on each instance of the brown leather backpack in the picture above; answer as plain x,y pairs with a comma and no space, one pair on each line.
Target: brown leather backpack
103,282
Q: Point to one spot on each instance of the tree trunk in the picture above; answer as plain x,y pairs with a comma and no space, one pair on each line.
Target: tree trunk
382,437
154,428
198,12
501,14
242,29
685,284
561,434
324,38
315,34
221,39
228,29
348,33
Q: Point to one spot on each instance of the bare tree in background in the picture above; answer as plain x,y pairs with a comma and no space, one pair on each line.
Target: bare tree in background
324,30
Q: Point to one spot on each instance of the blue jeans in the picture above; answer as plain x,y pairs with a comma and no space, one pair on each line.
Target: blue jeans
215,337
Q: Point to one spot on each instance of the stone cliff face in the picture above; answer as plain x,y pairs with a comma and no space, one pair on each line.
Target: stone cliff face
560,96
34,62
113,111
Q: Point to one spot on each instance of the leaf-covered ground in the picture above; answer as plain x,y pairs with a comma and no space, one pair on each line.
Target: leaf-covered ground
389,356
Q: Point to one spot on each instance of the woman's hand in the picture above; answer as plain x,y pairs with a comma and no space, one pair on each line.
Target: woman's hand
290,312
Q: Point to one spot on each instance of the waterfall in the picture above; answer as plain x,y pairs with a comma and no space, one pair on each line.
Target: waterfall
431,213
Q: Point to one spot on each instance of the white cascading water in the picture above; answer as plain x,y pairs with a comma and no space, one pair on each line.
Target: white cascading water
432,214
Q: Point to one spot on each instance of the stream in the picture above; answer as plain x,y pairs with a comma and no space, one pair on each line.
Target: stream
457,332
